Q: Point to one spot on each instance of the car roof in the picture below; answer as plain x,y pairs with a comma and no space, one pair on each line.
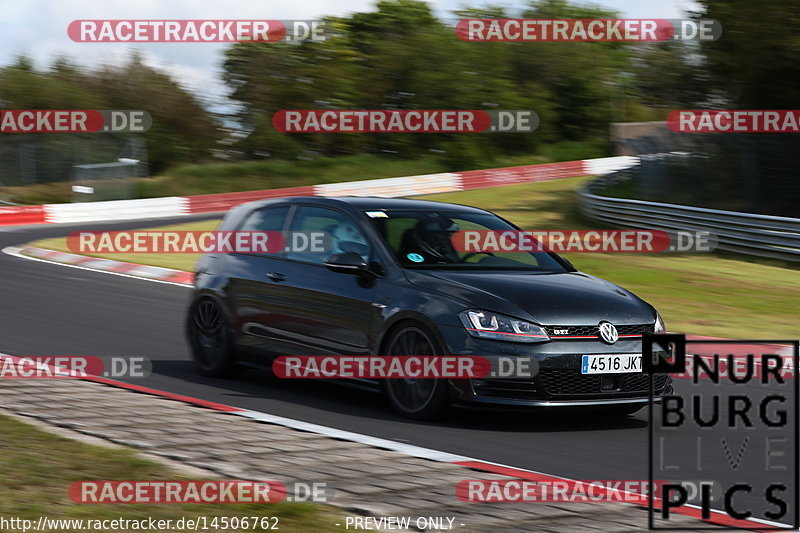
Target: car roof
367,202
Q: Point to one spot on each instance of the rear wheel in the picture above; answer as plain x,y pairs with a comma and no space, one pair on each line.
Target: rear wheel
209,339
415,398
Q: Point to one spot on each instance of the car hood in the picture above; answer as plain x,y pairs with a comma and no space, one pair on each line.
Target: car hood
569,298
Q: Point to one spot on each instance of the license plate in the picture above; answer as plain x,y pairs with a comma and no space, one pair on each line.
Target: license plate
611,363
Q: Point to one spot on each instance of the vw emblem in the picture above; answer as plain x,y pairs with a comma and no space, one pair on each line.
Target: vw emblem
608,333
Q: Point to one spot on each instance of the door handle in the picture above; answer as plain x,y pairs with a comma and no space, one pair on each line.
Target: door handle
276,276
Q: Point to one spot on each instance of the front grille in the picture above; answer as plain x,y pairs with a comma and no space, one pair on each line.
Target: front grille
558,382
637,329
594,331
517,389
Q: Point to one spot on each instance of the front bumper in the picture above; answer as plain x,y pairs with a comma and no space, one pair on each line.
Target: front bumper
556,379
536,393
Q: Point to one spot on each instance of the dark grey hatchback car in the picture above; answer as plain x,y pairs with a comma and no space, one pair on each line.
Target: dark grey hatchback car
390,283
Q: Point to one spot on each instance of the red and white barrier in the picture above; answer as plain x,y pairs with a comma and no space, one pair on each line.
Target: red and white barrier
213,203
394,187
606,165
116,210
23,214
496,177
387,188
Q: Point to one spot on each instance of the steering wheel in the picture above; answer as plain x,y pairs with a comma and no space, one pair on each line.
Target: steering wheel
470,255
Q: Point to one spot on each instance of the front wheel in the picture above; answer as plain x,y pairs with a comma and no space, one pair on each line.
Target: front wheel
416,398
209,339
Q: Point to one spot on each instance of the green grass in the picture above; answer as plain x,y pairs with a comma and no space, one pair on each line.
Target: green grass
176,261
706,294
37,469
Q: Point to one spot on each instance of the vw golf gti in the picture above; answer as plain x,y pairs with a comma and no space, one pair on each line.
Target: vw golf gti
390,282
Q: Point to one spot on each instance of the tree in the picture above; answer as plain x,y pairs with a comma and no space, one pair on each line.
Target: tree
182,130
754,63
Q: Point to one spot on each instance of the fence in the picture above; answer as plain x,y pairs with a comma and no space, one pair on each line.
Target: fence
750,172
99,167
754,234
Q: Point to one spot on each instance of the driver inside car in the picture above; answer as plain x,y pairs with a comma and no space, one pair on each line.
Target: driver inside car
430,241
345,237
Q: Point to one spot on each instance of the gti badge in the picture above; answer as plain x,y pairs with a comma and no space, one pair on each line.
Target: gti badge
608,333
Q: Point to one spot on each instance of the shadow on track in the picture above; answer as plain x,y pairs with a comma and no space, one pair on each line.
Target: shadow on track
338,399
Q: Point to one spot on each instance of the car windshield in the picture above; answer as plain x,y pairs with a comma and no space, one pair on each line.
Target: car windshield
423,239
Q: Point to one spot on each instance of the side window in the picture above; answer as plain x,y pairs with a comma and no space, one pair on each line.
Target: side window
267,219
343,234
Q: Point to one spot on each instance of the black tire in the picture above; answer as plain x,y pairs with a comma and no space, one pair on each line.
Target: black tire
418,399
209,339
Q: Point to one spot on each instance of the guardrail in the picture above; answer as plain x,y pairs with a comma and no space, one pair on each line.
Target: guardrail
748,233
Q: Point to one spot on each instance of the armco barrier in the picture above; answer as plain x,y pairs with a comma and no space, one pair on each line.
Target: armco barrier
24,214
747,233
387,188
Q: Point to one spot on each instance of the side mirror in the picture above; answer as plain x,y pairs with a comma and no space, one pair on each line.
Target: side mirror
346,263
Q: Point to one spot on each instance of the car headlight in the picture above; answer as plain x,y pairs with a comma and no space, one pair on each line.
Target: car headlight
660,327
488,325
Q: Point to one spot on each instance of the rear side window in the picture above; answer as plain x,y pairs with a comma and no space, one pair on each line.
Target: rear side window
267,219
341,230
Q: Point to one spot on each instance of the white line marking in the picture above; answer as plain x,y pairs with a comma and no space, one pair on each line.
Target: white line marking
15,251
377,442
416,451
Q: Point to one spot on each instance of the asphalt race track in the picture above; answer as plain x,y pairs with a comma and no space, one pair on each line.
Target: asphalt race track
47,309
